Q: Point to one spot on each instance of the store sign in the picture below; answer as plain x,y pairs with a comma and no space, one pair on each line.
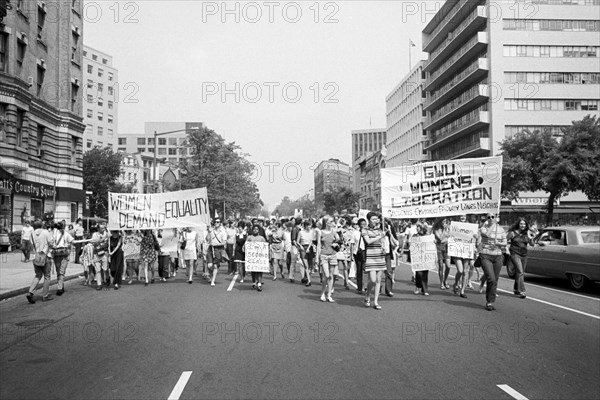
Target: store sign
23,187
532,201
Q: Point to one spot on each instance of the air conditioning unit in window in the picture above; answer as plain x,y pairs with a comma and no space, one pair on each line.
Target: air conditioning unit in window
30,80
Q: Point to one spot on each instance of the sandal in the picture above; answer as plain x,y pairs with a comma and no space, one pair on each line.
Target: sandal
377,307
367,303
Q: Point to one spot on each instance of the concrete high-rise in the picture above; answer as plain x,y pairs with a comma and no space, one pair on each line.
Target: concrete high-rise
101,99
497,67
365,142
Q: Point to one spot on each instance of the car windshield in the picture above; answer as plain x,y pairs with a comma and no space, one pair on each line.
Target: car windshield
590,237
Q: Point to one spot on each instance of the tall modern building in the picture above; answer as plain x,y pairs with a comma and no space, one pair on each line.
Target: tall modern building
101,99
497,68
170,147
406,138
41,123
330,175
364,142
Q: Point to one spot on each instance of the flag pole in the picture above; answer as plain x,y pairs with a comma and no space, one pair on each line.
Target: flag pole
409,55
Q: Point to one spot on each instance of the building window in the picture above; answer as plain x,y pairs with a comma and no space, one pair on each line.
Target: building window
110,133
88,144
150,141
90,113
111,91
100,131
141,141
41,72
122,149
100,116
141,149
94,57
74,96
110,104
172,152
100,72
21,50
3,52
89,129
110,76
172,141
90,83
100,102
110,120
100,88
104,61
41,20
73,149
90,69
162,141
162,151
122,141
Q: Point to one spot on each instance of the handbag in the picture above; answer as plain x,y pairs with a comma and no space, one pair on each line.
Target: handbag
61,251
39,260
182,245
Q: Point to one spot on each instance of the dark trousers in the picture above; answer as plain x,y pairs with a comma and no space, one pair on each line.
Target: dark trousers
421,279
163,266
360,266
78,247
389,283
257,277
520,264
117,273
491,266
26,248
229,251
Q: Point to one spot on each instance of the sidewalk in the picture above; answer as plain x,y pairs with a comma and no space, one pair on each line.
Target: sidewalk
16,275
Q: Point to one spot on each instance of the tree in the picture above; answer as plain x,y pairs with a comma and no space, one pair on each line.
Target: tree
101,168
339,199
538,161
286,207
223,170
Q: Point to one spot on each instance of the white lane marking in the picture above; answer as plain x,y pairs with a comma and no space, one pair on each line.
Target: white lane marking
555,305
232,282
178,389
563,291
512,392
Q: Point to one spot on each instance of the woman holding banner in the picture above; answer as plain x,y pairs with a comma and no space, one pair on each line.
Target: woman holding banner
148,248
441,231
375,261
462,264
422,277
189,251
493,241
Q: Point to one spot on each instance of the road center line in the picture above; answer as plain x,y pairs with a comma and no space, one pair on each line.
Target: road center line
550,304
563,291
512,392
178,389
232,282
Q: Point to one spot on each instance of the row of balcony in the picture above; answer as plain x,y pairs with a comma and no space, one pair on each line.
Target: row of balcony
477,45
480,148
474,120
445,26
469,99
470,25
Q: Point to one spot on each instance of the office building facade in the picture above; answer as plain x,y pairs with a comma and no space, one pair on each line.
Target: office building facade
41,123
365,142
101,99
330,175
497,68
406,138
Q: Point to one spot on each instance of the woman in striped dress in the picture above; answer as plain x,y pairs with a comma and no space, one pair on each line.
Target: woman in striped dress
375,262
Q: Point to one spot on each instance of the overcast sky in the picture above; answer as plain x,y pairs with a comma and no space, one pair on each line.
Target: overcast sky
180,55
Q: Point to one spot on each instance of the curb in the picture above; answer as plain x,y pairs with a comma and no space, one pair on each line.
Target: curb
24,290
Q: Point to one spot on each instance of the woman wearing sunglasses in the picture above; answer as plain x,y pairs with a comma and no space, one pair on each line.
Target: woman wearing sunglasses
493,241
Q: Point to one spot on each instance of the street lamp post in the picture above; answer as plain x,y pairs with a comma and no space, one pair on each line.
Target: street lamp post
154,162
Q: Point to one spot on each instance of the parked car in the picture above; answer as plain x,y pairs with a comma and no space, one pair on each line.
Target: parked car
571,252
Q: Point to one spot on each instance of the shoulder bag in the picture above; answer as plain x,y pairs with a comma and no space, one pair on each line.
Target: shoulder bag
39,260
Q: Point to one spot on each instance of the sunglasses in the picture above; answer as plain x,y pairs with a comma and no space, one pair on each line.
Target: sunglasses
217,222
491,216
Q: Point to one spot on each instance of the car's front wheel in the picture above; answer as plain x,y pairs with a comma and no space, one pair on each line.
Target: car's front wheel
578,281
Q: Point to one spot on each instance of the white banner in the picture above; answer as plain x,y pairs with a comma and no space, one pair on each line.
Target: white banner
462,242
257,257
158,210
423,253
442,188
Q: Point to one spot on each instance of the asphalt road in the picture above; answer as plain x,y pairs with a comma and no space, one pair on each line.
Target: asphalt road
143,342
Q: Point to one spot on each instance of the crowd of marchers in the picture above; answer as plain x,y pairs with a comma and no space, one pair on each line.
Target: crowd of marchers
359,252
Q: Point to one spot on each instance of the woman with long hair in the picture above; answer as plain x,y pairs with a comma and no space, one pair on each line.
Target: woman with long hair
493,242
327,248
375,262
519,236
276,246
148,253
115,254
441,230
238,255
